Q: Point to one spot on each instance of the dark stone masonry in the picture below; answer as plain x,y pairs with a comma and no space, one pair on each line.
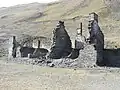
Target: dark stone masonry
61,46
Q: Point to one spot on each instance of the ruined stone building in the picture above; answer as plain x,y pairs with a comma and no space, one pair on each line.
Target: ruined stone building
86,50
89,49
28,46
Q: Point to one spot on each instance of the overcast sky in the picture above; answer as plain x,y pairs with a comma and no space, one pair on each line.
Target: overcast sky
7,3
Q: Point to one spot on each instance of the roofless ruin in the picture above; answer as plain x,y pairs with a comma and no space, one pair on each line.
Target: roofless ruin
61,46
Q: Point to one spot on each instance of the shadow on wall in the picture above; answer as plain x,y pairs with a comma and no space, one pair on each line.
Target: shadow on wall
34,52
112,57
74,54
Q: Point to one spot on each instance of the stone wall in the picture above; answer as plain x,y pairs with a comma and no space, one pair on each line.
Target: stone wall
27,42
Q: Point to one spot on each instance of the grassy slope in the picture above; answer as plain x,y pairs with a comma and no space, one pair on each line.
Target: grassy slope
72,8
65,9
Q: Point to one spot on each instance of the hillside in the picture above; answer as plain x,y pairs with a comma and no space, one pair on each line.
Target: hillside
72,8
37,19
40,19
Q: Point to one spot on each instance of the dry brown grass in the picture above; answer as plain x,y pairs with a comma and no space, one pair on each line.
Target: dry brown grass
27,77
71,11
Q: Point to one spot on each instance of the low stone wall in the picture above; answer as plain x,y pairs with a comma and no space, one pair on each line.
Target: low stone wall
15,44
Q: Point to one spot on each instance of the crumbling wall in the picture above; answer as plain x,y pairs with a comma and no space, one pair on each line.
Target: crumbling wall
23,45
61,46
112,57
87,56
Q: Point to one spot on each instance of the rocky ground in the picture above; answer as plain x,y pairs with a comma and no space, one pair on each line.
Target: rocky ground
15,76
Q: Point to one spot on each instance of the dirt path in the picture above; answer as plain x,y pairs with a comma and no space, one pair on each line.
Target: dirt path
27,77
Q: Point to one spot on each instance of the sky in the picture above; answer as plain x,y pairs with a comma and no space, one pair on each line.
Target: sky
7,3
